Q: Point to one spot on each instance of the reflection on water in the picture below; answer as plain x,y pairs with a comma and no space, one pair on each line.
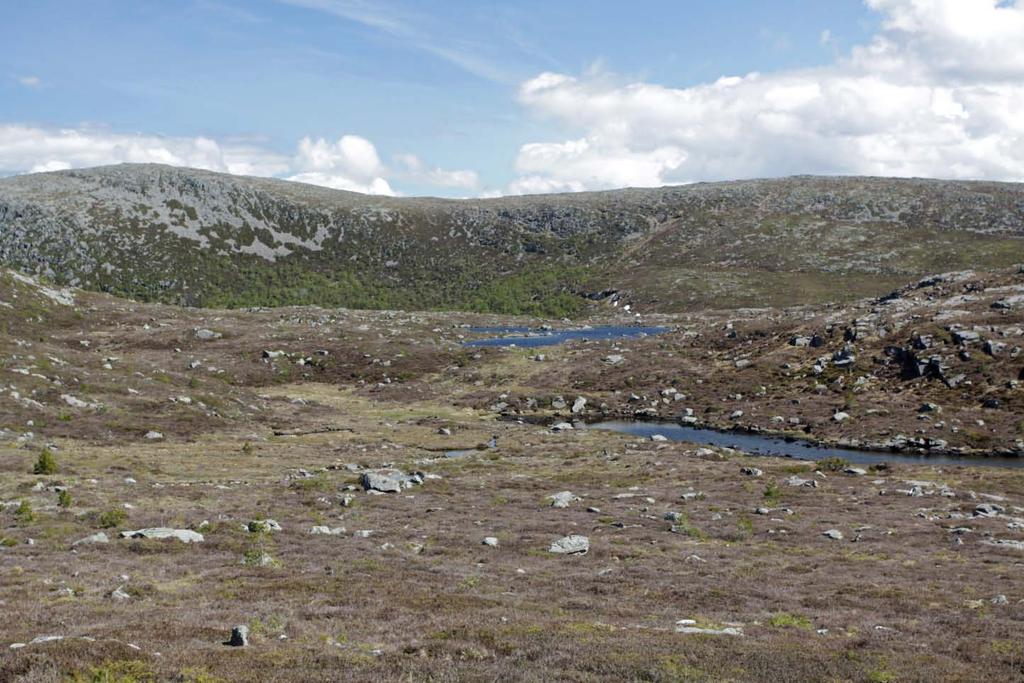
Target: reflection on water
525,336
769,445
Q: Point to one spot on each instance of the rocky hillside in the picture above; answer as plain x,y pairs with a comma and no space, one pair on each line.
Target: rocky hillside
177,235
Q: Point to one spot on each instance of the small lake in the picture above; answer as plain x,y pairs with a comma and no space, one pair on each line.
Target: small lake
757,444
529,337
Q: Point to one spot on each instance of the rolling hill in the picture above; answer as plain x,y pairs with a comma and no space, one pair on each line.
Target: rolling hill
186,236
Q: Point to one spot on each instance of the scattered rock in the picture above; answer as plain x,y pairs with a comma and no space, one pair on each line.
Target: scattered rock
374,481
491,541
239,636
98,538
834,534
571,545
689,626
183,535
563,499
988,510
1005,543
257,526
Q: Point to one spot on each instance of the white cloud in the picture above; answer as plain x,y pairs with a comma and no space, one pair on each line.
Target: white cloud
30,81
413,30
350,163
340,182
937,93
31,148
416,170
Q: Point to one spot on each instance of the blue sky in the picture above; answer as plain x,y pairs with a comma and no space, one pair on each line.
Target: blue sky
443,81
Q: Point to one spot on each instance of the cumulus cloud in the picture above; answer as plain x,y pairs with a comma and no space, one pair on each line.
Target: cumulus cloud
349,163
33,149
416,170
938,92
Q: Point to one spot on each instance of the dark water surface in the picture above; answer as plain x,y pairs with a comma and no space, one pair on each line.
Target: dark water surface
525,336
770,445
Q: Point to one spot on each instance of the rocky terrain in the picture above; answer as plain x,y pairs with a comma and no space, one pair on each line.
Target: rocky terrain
311,494
176,235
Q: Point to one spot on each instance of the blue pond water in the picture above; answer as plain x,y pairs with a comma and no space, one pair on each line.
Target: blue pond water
768,445
525,336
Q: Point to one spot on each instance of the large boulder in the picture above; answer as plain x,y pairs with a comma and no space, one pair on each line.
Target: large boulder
571,545
159,533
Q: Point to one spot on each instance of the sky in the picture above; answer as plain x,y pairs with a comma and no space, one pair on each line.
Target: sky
480,98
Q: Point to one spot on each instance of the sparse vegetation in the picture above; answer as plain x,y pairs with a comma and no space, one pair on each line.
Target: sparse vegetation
786,620
536,256
772,493
833,464
389,387
133,671
112,518
24,513
46,464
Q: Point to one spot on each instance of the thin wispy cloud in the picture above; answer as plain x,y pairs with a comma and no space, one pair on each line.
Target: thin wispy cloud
412,31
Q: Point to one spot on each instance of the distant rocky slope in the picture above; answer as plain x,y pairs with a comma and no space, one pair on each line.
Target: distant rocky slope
194,237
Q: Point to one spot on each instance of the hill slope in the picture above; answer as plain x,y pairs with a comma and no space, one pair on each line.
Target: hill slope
200,238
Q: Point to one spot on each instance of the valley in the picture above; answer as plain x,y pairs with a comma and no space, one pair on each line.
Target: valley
371,495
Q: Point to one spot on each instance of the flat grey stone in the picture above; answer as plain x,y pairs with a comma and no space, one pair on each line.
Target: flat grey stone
571,545
183,535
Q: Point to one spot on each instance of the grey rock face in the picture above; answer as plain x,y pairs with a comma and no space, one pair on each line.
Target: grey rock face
563,499
83,226
97,538
966,337
183,535
373,481
988,510
689,626
571,545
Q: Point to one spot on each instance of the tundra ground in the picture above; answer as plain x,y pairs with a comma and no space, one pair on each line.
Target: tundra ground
924,584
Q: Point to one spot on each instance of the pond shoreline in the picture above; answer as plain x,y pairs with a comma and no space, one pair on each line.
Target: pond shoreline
780,444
